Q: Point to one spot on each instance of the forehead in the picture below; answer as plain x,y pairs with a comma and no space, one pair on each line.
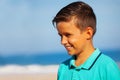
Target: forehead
69,27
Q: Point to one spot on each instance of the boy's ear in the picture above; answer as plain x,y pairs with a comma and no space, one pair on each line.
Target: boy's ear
89,33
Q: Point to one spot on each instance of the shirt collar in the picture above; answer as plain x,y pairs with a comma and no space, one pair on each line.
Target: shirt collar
88,63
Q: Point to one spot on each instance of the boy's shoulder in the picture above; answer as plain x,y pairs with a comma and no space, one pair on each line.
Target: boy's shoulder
106,62
66,62
106,59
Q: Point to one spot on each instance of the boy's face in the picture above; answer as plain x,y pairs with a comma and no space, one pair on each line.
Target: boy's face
71,37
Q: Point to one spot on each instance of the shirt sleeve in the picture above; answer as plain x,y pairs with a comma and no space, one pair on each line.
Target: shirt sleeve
58,74
113,71
60,70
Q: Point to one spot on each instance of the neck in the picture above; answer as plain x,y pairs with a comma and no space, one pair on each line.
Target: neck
83,56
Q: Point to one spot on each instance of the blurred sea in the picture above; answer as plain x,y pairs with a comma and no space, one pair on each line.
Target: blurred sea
47,58
21,63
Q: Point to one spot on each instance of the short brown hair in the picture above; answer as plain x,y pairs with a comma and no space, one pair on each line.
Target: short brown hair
82,13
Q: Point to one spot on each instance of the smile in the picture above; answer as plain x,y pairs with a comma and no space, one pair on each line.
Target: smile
68,47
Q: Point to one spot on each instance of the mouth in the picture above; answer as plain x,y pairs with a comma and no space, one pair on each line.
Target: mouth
68,48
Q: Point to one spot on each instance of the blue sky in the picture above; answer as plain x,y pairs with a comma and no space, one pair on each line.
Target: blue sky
25,25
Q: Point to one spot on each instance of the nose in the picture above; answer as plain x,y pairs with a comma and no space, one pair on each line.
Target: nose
64,40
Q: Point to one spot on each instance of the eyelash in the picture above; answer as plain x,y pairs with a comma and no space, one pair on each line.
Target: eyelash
67,35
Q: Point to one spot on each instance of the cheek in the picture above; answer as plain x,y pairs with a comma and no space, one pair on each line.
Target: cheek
74,41
77,42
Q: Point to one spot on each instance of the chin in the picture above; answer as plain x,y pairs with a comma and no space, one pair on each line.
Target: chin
71,53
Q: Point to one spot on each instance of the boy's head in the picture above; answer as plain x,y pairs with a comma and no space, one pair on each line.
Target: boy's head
82,14
76,24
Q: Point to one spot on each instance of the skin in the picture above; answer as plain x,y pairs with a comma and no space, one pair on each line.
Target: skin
76,42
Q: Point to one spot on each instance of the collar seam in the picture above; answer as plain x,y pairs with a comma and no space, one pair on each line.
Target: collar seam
95,61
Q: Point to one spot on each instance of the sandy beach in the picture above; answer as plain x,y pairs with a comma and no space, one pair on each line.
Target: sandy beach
31,72
44,76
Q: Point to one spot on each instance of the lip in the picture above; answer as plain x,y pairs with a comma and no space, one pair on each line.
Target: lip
68,47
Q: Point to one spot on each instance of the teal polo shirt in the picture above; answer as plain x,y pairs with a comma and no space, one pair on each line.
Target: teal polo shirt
97,67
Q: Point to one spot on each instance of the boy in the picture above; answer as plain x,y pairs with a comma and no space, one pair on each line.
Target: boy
76,25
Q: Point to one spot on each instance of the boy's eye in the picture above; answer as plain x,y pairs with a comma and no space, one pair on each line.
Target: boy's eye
59,34
67,35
